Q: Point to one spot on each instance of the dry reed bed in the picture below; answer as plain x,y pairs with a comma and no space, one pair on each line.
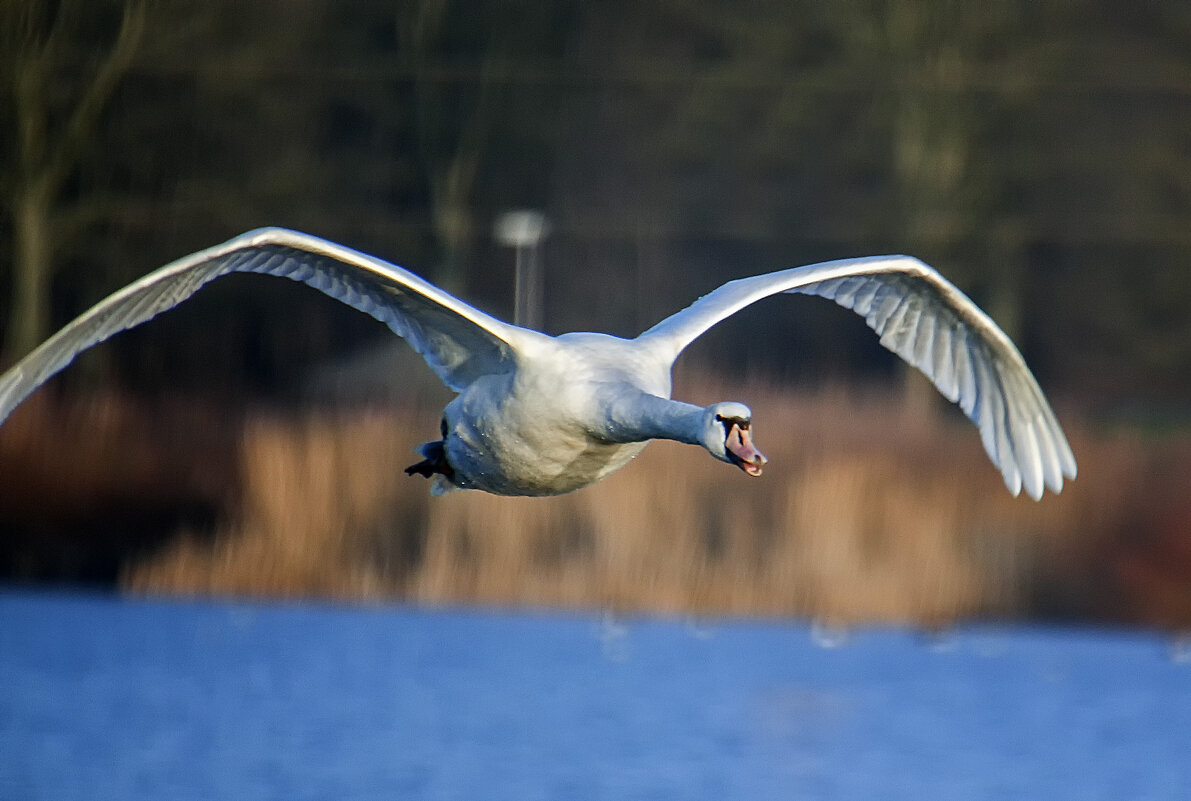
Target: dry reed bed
866,513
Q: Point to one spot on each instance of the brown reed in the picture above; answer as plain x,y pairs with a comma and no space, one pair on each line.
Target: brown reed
867,512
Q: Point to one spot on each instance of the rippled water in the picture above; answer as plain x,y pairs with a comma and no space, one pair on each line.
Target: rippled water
103,698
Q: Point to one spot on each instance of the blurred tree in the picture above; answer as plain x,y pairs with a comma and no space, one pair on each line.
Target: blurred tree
1037,154
1103,169
691,130
55,108
453,122
935,61
469,67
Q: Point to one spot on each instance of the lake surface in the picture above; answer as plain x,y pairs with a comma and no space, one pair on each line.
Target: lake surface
107,698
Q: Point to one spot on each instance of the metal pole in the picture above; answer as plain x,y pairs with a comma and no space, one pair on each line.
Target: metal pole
524,231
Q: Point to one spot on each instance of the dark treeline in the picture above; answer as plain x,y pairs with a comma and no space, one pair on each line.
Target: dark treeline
1037,153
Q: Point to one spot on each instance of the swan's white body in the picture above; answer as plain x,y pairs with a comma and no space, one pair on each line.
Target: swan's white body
503,438
542,415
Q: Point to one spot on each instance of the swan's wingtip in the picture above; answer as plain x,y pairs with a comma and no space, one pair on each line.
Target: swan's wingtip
1055,484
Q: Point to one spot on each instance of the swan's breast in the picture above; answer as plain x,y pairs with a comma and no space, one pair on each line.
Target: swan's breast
532,432
510,452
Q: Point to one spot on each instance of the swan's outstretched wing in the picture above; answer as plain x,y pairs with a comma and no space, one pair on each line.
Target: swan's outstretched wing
460,343
926,320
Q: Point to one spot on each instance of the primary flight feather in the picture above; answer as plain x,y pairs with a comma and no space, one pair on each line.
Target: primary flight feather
543,415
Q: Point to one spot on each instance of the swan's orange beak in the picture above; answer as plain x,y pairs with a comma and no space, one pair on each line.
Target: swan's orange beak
742,452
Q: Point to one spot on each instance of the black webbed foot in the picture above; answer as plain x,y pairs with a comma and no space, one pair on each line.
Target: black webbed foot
435,462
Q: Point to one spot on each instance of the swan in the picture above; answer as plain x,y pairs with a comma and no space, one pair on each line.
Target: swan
542,415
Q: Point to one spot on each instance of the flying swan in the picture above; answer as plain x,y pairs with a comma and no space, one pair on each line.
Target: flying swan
543,415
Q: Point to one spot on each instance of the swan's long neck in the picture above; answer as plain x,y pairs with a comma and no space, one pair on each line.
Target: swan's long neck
642,416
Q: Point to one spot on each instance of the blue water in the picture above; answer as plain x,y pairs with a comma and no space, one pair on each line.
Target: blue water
104,698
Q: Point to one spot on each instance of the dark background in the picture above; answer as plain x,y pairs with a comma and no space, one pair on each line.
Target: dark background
1038,154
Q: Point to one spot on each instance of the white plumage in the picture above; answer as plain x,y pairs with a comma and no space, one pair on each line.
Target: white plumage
542,415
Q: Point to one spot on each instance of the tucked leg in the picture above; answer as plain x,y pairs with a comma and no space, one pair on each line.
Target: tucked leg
435,462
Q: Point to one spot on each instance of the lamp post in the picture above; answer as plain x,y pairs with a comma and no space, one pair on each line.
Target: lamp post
524,230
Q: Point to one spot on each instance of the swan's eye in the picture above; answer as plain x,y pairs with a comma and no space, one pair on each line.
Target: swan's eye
728,422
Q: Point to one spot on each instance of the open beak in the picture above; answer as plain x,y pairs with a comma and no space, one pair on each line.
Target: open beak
742,452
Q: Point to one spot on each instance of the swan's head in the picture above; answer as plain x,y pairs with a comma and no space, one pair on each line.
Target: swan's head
727,436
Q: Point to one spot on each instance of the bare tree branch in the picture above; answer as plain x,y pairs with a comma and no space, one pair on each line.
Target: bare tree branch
95,97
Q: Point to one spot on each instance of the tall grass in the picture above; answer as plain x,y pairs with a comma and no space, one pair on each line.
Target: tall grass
867,512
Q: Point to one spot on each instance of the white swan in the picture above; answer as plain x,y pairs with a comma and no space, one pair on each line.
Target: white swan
543,415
